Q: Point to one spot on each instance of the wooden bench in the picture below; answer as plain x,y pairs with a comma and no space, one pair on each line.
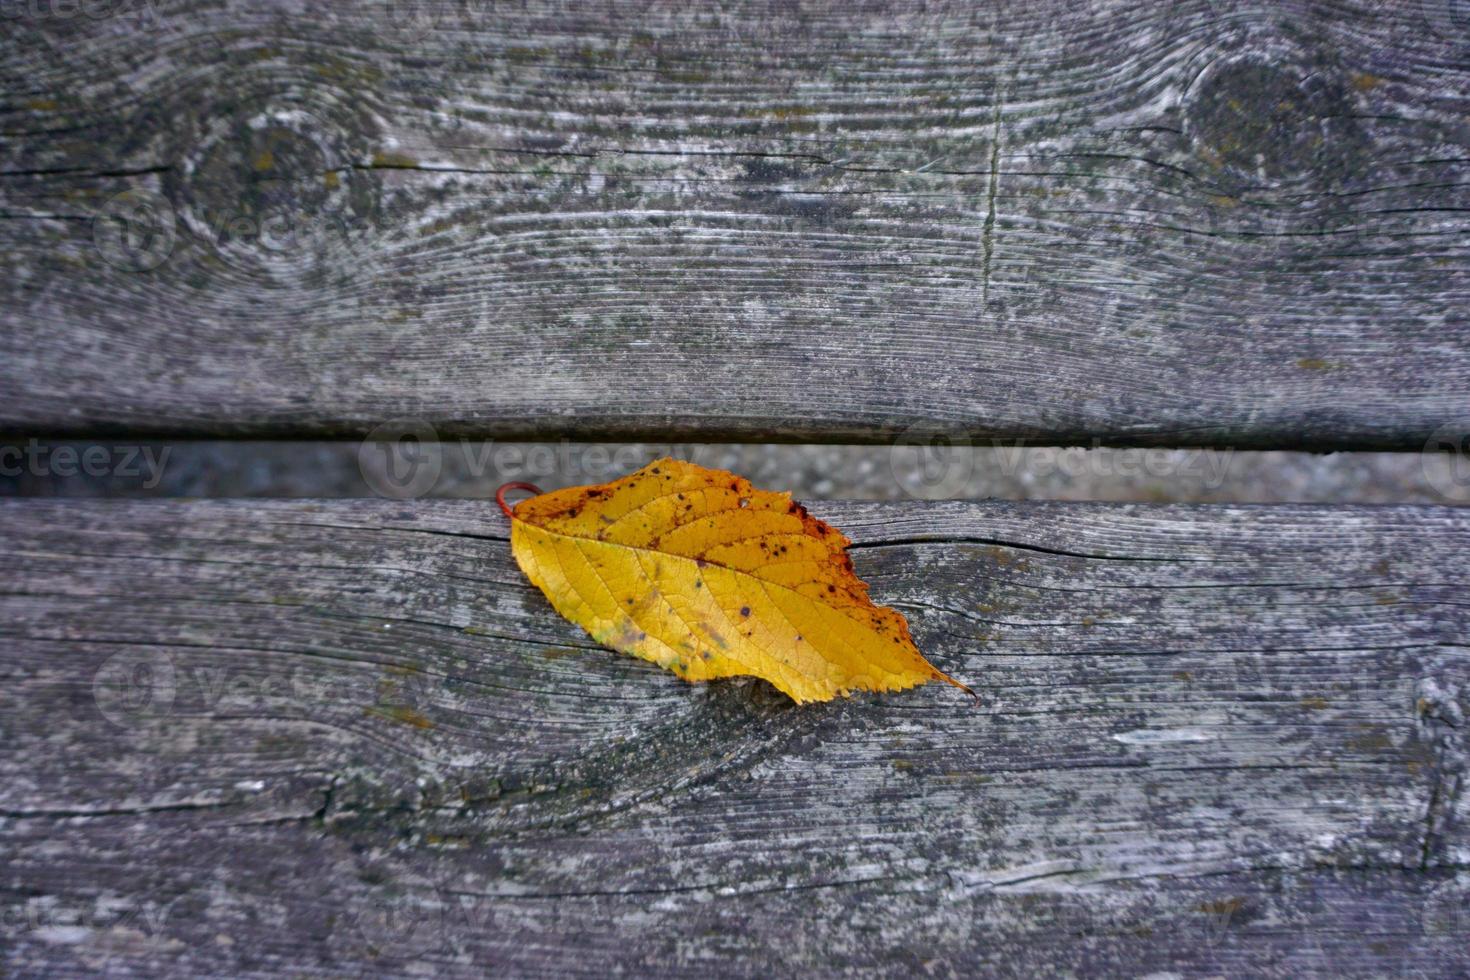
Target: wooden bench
330,737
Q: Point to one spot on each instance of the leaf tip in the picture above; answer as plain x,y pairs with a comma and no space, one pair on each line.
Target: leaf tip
963,687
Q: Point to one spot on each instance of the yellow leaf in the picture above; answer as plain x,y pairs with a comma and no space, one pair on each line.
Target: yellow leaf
697,571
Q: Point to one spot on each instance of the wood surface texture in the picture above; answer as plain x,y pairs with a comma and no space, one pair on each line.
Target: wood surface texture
324,737
1202,222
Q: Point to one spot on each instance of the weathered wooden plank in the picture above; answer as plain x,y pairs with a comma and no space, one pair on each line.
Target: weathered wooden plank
1194,222
319,737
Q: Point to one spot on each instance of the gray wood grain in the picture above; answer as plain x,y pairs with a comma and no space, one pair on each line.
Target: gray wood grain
1199,222
317,738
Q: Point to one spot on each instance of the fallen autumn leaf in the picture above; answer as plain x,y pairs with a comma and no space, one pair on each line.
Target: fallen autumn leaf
699,572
